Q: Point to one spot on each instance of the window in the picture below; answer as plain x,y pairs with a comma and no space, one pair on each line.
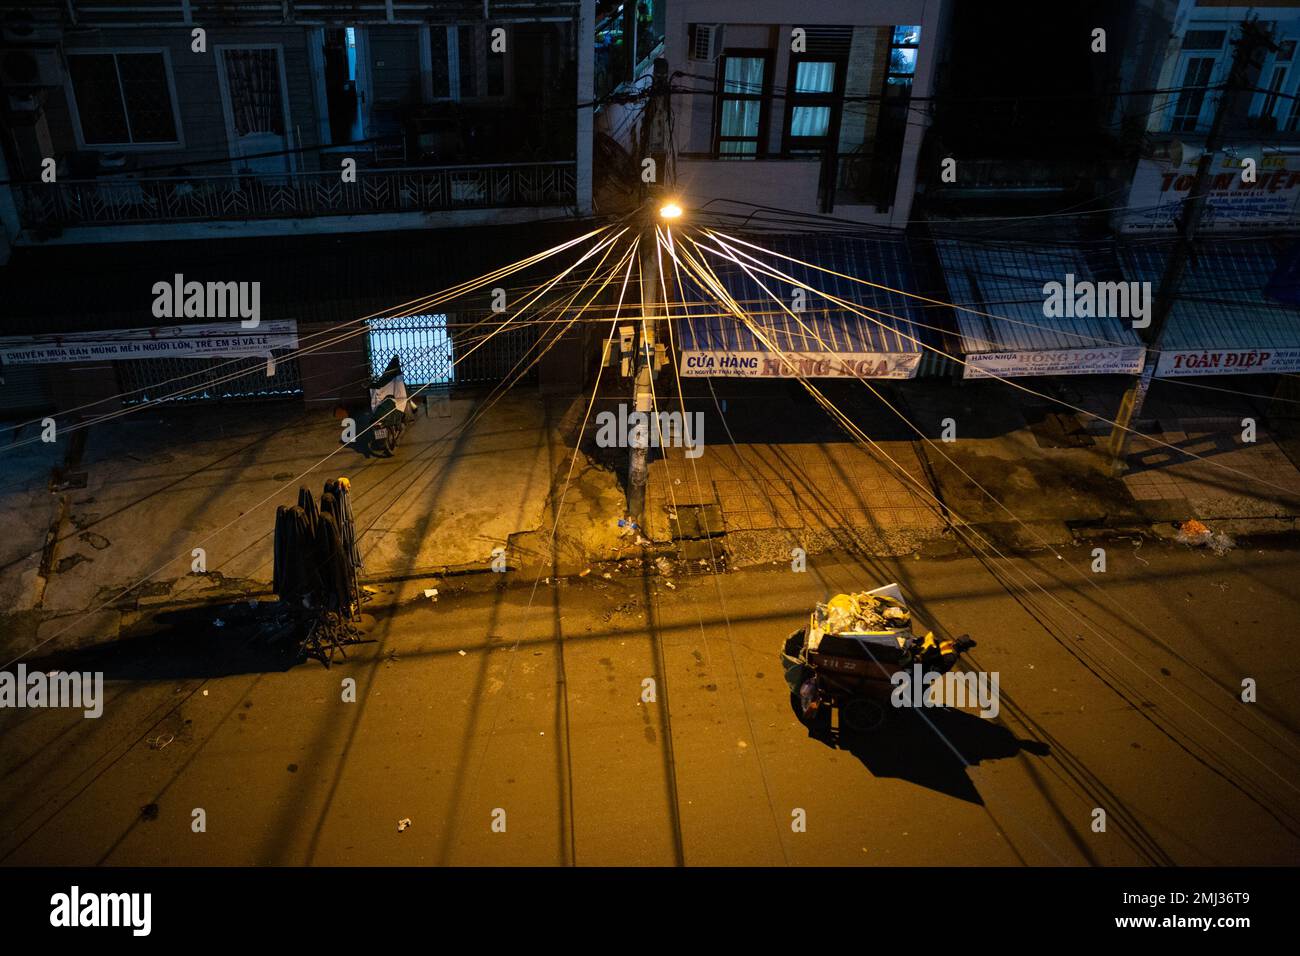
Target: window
463,65
1200,65
813,103
123,99
895,105
1191,99
496,69
1273,105
902,58
441,76
467,44
742,104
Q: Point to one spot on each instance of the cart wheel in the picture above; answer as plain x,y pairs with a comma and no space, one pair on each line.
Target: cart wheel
861,714
815,719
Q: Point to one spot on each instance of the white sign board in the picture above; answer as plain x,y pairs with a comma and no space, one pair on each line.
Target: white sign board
221,340
1160,188
1175,364
799,364
1127,360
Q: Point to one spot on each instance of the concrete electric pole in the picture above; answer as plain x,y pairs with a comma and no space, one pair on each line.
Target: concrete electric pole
1253,38
654,136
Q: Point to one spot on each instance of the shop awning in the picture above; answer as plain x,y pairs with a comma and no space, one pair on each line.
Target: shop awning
1223,321
1015,322
826,340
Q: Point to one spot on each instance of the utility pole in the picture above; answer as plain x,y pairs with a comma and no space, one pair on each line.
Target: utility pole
654,135
1253,38
631,29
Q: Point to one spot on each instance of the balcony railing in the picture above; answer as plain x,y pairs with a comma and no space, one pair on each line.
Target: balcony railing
247,12
125,201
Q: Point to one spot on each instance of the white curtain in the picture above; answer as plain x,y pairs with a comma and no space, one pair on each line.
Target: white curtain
813,77
743,74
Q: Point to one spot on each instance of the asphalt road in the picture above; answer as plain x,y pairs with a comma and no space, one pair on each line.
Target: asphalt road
1119,692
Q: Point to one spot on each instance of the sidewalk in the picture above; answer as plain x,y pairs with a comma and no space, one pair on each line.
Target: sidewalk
1021,471
150,487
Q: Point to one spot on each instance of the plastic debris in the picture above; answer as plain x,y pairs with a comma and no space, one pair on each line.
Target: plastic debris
670,586
431,593
403,824
461,653
583,574
1195,534
663,565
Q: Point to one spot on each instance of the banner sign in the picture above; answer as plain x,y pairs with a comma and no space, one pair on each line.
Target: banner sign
800,364
1174,364
1124,360
1160,188
222,340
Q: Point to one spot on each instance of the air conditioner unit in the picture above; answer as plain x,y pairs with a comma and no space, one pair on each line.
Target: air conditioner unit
20,31
704,42
31,67
21,27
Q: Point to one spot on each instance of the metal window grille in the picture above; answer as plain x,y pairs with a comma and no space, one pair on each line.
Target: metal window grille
420,341
436,350
208,379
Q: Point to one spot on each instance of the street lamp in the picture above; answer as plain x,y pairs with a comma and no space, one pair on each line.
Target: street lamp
670,210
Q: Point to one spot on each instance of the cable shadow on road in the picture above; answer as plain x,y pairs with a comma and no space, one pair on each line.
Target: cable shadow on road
905,747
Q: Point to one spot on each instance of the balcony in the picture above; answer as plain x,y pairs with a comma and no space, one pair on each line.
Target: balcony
308,195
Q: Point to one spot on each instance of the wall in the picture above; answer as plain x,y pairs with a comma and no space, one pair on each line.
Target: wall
335,374
198,93
788,183
764,23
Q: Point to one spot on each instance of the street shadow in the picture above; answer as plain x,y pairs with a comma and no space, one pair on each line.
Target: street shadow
219,640
1163,456
908,747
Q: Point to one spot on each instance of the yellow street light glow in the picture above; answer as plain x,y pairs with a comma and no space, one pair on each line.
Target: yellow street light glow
670,210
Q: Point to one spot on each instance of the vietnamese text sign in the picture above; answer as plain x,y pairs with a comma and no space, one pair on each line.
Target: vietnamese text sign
1174,364
185,341
1126,360
800,364
1160,188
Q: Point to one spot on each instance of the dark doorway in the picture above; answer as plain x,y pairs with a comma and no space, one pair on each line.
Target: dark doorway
342,96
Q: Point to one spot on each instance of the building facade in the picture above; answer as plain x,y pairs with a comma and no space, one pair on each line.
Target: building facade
816,116
186,119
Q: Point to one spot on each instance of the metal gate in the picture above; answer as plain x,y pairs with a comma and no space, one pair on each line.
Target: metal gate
214,379
24,390
436,350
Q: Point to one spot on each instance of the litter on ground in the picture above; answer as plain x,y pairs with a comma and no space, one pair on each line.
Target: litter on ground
1195,534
